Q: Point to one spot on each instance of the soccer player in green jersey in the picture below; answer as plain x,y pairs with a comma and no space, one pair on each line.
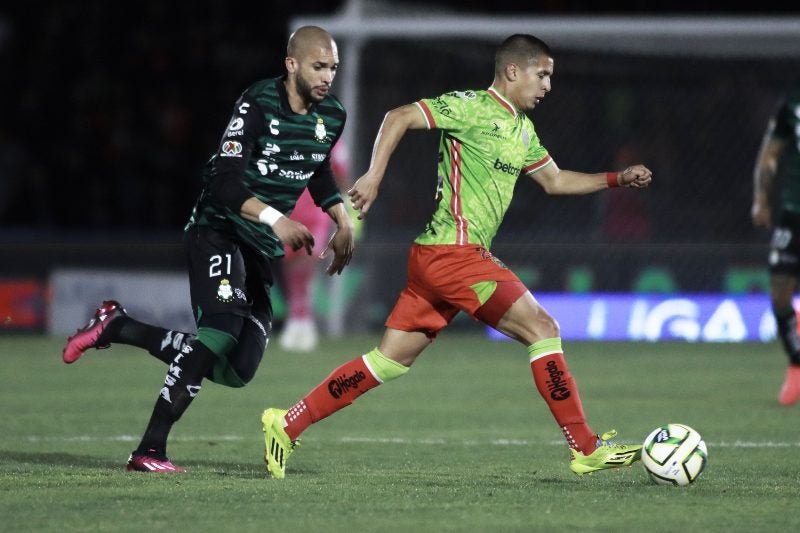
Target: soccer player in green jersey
779,161
487,142
277,144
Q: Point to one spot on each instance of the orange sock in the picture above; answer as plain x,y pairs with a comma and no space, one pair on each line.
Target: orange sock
557,387
338,390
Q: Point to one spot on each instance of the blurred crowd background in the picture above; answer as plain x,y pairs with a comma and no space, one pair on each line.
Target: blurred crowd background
110,112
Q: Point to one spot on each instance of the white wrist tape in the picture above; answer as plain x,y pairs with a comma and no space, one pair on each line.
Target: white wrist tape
269,216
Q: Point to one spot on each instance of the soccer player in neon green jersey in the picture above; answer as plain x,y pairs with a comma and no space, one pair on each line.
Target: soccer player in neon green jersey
487,142
779,157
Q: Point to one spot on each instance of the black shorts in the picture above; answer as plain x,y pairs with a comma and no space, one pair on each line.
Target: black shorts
226,276
784,248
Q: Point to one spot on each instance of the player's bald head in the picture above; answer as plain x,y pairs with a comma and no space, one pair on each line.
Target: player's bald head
520,49
307,39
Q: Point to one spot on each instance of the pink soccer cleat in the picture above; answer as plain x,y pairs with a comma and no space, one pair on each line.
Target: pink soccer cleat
155,463
790,391
88,336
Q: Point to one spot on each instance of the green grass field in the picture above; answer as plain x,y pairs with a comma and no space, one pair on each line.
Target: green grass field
462,443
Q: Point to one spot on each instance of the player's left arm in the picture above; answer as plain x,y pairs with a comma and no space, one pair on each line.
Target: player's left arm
556,181
766,167
394,126
342,242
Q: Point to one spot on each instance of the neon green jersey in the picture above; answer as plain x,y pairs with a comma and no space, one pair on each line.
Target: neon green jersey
485,145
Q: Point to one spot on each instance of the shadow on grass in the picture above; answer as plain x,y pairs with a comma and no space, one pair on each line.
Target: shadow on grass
69,460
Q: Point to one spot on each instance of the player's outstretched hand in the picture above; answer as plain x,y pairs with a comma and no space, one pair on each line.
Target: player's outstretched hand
638,176
363,193
294,234
342,245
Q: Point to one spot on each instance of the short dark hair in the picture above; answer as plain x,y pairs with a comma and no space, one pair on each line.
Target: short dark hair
519,48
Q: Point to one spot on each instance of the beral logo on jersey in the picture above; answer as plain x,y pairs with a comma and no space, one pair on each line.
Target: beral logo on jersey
235,127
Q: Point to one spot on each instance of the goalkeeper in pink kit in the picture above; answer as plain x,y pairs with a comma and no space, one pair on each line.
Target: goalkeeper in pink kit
487,143
301,270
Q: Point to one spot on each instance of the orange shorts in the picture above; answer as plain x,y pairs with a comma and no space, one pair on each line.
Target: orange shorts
446,279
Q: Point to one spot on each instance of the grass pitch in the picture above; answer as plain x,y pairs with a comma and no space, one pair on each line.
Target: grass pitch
462,443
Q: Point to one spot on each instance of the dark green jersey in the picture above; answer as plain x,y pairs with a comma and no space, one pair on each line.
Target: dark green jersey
787,128
270,152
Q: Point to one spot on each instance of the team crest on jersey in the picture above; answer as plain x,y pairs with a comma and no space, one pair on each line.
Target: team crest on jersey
319,131
225,291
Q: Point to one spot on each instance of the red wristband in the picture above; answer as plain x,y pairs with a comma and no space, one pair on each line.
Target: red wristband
613,179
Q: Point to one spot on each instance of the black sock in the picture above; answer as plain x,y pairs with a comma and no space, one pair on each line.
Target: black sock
181,385
163,344
787,331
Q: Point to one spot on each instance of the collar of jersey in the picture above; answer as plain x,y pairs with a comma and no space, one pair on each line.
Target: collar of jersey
503,101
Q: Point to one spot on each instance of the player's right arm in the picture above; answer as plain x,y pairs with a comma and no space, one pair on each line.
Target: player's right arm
764,172
394,126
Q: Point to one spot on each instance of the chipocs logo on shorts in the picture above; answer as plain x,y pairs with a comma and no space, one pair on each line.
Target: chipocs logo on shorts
486,254
225,291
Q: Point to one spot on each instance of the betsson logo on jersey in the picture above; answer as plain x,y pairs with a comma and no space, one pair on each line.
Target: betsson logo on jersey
506,167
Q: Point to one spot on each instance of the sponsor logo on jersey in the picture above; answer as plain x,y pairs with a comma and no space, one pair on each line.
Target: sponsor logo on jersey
235,127
318,157
556,385
319,131
342,384
296,156
464,95
295,174
236,124
496,131
265,167
270,149
508,168
243,108
441,106
231,149
273,126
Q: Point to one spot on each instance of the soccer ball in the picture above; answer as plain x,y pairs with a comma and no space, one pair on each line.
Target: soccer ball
674,454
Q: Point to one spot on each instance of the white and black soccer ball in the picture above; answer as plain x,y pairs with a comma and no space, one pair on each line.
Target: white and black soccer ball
674,454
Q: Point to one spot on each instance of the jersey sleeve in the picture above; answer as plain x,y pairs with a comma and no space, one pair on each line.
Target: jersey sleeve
232,157
448,112
537,156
